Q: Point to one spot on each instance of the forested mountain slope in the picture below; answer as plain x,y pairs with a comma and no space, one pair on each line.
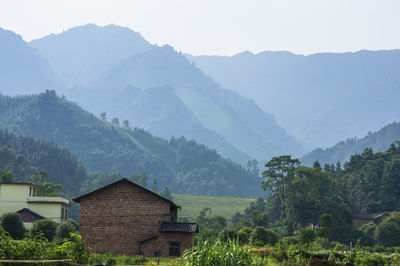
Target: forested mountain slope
379,141
184,166
238,120
23,156
321,98
22,69
159,110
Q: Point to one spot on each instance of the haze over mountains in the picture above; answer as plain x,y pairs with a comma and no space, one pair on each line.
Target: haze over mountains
23,70
103,67
379,141
322,98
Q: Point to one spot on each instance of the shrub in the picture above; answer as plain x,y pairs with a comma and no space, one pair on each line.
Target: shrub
289,240
387,233
243,235
45,226
261,236
367,232
306,235
11,222
64,230
39,248
322,243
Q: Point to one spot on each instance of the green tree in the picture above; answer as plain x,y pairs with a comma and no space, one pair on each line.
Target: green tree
6,177
11,222
126,123
280,172
259,219
140,179
45,226
64,230
306,235
387,233
166,193
262,236
45,188
103,115
325,225
115,121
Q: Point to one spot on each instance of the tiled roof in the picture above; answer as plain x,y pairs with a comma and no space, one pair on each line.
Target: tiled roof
29,216
370,216
179,227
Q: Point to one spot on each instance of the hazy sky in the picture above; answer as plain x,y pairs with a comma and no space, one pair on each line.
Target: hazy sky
222,26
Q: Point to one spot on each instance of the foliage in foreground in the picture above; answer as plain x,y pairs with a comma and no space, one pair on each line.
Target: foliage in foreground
39,248
207,252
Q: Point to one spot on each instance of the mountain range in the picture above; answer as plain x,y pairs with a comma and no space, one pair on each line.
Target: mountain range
195,107
321,98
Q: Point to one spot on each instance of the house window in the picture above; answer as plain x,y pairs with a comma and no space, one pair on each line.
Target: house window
62,214
66,214
174,248
30,191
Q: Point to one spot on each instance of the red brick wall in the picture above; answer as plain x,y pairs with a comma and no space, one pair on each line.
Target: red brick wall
116,218
185,239
161,243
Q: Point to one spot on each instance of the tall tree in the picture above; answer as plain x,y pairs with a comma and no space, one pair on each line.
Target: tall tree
280,172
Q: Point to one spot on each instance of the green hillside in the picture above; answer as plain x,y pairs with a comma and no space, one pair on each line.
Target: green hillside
23,156
222,205
182,165
379,141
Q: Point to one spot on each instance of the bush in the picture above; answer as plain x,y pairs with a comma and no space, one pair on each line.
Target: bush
39,248
262,236
387,233
367,233
289,240
306,235
11,222
64,230
45,226
322,243
243,235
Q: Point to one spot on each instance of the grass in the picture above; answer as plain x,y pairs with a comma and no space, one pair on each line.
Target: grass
222,205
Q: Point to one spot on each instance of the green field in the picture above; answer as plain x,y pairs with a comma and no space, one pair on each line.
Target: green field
222,205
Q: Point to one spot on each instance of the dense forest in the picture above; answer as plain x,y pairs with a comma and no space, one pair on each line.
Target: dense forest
24,156
182,165
379,141
301,196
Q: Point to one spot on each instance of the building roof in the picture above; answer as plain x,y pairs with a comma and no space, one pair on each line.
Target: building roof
179,227
14,183
370,216
28,215
38,199
78,199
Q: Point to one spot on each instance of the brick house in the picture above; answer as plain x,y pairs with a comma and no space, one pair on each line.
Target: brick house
125,218
359,220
